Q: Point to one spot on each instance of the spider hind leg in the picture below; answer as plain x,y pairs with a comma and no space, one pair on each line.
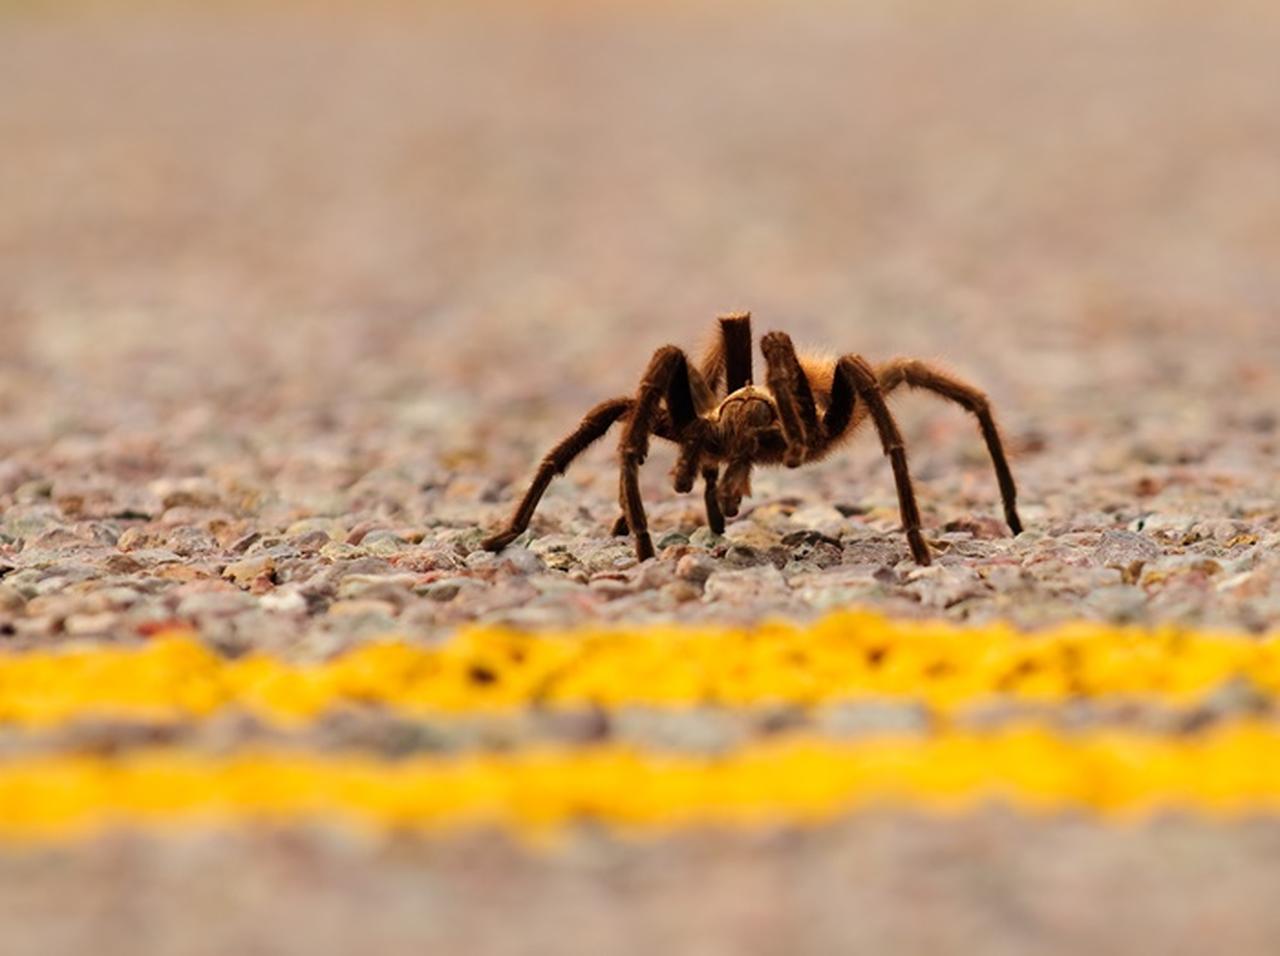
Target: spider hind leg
917,374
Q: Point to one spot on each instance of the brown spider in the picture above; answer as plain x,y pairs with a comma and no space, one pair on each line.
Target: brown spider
717,416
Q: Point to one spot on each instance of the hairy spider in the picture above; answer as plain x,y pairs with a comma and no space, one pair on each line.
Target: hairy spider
719,417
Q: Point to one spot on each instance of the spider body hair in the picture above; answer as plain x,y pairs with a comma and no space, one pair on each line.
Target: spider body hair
724,423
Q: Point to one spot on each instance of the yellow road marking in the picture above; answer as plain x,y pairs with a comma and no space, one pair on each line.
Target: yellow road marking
847,656
1224,773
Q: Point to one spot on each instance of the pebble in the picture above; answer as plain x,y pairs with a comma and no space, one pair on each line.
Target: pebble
185,492
703,537
245,573
383,543
746,586
671,539
447,589
214,604
523,560
79,625
1117,604
287,600
362,607
824,519
696,567
1119,547
393,589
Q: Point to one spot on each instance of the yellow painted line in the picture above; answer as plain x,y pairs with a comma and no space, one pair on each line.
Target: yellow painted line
1223,774
845,657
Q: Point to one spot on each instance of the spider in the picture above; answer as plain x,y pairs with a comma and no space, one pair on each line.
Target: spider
718,417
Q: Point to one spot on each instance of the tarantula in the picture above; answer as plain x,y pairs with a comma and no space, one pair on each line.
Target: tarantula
718,417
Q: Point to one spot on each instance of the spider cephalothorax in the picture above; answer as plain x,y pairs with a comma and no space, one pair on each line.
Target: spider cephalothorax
721,420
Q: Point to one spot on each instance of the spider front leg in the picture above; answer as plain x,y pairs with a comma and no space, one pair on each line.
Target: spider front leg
668,378
715,518
735,485
593,426
794,396
854,376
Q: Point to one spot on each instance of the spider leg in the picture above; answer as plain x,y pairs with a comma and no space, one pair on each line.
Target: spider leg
729,358
917,374
693,442
667,377
794,397
840,405
735,486
593,426
715,519
854,375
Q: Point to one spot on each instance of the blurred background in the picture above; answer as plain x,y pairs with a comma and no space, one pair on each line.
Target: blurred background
523,200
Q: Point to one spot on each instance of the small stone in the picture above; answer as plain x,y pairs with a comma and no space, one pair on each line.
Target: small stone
245,573
944,586
36,626
610,558
11,599
655,574
189,541
1118,604
38,489
215,604
284,601
394,589
329,527
523,560
1220,530
822,518
310,542
480,560
751,536
705,538
245,542
745,556
447,589
384,543
362,607
611,585
764,583
122,564
186,493
681,591
357,534
81,624
671,539
560,561
1164,525
118,598
339,551
695,568
1120,548
134,539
